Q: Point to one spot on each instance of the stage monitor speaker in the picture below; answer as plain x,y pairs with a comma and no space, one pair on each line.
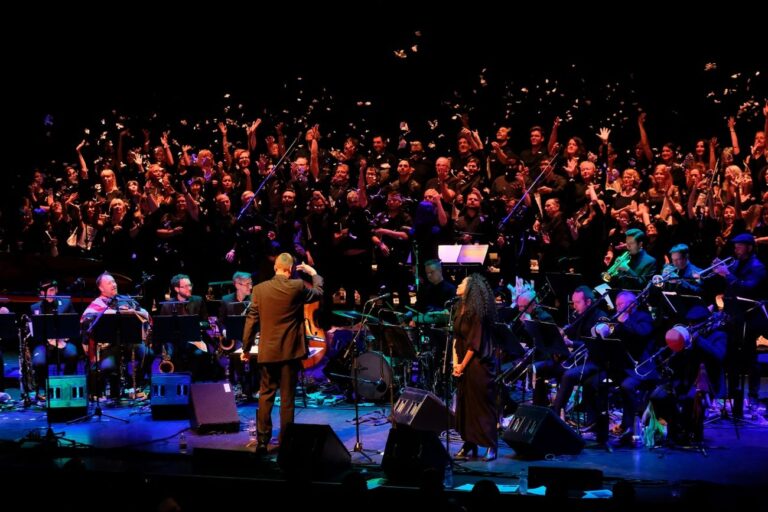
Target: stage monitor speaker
213,408
67,397
170,395
409,452
311,451
536,431
422,410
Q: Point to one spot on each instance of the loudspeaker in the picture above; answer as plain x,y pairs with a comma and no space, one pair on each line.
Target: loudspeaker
170,395
422,410
409,452
67,397
536,431
213,408
312,451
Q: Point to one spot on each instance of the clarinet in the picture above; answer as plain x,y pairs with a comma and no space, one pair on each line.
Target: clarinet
26,370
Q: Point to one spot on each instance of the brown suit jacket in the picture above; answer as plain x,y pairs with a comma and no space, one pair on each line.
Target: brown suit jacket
277,307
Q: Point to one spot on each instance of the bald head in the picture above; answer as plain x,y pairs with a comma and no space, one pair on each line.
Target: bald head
284,263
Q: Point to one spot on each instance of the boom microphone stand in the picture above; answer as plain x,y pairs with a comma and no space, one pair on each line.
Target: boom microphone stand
355,369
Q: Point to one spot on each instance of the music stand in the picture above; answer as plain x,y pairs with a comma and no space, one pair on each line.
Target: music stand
177,328
507,340
234,309
683,303
609,354
7,326
547,338
234,327
52,326
112,328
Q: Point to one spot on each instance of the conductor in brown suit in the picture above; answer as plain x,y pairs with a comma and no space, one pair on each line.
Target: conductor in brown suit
277,307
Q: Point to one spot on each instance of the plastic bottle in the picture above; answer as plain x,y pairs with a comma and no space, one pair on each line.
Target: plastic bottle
183,443
252,430
522,481
448,476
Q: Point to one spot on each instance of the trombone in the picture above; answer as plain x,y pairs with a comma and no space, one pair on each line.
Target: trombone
710,271
614,269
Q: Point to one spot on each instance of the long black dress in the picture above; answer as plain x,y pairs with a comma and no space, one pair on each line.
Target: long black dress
476,415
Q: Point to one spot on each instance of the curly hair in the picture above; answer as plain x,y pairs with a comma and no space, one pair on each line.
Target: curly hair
479,300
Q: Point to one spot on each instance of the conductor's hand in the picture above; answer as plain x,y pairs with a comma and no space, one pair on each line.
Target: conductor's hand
303,267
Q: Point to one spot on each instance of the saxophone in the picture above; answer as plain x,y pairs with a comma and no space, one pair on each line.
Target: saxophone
26,370
166,365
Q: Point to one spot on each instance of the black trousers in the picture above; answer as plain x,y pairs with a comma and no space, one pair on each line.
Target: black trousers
283,375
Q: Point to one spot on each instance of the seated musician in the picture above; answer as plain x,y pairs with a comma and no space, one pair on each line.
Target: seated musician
634,329
545,367
234,304
696,369
641,266
61,351
193,355
433,296
105,357
687,273
585,316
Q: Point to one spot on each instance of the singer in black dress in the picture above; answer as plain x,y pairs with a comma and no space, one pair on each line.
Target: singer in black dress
474,366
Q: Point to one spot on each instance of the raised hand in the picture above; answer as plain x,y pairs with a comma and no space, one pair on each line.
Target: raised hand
604,134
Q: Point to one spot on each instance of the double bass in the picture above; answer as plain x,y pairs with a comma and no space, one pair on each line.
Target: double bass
314,335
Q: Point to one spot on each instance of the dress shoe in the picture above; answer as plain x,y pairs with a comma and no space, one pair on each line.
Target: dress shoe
467,450
262,448
491,454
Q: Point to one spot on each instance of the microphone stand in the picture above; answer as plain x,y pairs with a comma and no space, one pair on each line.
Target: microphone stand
447,351
268,177
355,369
534,185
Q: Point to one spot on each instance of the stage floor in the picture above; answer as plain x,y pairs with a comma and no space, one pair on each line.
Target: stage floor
735,455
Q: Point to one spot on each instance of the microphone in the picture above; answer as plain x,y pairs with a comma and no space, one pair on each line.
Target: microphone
381,386
380,297
453,300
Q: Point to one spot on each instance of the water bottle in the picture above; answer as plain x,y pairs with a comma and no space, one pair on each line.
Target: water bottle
522,481
183,443
252,430
448,476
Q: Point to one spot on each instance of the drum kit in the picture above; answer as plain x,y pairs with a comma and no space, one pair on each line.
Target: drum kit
388,355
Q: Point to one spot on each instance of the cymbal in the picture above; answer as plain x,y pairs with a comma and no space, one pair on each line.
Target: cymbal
354,315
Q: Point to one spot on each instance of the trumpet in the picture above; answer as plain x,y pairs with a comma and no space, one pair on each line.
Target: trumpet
710,271
613,271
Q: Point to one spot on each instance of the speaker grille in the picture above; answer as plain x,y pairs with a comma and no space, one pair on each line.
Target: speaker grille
536,431
422,410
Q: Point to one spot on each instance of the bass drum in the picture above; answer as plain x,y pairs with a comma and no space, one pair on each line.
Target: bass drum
374,376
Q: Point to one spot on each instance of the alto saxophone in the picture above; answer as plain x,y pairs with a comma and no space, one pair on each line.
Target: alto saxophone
26,370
